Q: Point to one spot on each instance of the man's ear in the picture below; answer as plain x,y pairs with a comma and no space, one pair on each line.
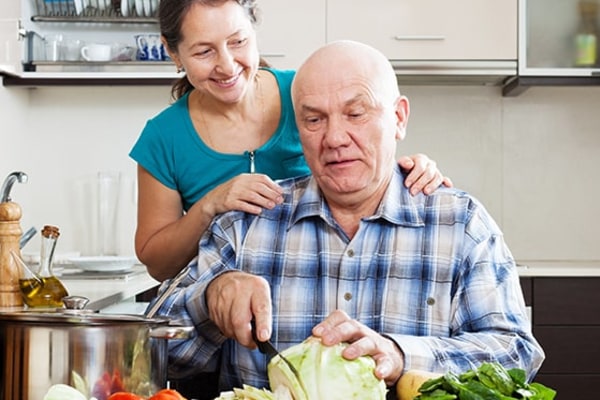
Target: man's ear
402,111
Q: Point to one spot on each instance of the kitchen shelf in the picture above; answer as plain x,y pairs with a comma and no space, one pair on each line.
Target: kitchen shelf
95,11
37,81
96,19
113,73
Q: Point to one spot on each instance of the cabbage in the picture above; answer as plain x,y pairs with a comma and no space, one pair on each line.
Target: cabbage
63,392
324,374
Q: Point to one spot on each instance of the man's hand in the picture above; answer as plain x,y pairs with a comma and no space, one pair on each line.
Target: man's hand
339,327
233,299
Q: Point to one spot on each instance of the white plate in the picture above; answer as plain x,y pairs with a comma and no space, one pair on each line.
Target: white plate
79,6
104,263
147,11
125,8
139,8
153,7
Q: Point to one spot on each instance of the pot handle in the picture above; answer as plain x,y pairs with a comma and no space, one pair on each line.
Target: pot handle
171,332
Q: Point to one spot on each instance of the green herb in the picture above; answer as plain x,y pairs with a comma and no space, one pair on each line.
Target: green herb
491,381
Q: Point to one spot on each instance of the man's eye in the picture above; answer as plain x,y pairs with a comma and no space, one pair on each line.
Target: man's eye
355,114
239,42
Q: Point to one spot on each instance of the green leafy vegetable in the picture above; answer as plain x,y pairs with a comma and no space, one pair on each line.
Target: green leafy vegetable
490,381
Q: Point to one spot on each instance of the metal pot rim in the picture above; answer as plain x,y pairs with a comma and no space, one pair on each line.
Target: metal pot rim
80,318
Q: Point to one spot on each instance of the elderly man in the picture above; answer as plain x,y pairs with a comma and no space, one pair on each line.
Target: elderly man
422,282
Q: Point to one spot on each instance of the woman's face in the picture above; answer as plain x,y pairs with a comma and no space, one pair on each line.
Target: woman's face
218,50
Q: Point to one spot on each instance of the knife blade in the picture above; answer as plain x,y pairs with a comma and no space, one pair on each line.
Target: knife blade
270,351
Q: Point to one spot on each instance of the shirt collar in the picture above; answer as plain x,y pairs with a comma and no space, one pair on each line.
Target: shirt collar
398,205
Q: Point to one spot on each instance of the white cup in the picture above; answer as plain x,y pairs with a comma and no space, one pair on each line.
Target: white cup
72,49
54,46
96,52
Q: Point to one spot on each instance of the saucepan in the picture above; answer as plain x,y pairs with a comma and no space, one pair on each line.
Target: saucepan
96,353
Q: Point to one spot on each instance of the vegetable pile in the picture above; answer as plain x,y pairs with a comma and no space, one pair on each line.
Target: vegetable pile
490,381
324,374
65,392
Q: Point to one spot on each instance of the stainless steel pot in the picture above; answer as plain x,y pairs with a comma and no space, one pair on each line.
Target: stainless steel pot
98,354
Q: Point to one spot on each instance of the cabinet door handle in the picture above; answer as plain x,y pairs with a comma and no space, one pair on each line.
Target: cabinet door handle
273,55
419,37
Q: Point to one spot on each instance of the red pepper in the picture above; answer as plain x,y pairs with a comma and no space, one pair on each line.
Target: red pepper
167,394
124,396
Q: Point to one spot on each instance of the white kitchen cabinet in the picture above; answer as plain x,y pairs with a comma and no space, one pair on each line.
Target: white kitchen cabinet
547,46
429,29
289,31
10,41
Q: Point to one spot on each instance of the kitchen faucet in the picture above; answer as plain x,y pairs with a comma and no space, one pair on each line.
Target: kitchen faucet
18,176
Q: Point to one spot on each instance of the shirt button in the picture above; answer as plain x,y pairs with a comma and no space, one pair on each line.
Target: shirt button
350,253
347,296
430,301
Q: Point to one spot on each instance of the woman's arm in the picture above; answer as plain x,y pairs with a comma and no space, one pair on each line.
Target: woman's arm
167,239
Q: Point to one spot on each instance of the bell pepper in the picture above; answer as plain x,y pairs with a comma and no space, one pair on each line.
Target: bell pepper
124,396
167,394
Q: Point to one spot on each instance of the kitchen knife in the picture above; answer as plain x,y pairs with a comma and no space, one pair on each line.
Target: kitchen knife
270,350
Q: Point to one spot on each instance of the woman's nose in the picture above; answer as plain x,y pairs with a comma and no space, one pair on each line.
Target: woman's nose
225,62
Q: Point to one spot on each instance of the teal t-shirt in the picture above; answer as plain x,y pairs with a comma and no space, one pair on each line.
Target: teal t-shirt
171,150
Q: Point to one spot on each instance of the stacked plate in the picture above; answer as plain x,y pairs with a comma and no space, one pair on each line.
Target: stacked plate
104,263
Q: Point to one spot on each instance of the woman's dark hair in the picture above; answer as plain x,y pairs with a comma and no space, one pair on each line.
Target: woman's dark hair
170,17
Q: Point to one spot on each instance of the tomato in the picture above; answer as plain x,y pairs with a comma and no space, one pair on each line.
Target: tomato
124,396
167,394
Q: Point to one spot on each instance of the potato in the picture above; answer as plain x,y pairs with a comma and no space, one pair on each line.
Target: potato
408,386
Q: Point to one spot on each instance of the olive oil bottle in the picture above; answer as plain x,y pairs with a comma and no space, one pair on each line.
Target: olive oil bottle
43,288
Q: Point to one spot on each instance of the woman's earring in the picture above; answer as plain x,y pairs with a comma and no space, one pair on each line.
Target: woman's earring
180,69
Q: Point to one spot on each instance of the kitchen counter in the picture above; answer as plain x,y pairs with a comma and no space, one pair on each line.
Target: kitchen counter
106,292
567,268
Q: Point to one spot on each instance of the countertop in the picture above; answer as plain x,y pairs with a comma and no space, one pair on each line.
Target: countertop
554,268
107,292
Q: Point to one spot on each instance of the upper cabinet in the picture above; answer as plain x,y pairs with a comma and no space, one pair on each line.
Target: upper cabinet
289,31
429,29
558,44
10,40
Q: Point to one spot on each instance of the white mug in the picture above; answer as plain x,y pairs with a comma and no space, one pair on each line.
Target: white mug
96,52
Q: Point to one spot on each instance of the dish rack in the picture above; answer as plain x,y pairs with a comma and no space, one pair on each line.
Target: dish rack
94,11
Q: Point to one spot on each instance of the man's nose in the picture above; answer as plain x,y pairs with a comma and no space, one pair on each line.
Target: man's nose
336,134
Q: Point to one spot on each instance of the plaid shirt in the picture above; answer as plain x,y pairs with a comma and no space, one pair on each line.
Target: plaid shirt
430,272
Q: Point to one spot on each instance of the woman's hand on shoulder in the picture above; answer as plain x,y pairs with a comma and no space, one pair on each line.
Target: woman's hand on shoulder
423,174
249,193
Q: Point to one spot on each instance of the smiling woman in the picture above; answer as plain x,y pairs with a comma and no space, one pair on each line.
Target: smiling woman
230,132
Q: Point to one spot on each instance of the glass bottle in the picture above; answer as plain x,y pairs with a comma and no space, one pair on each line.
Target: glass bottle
52,291
586,37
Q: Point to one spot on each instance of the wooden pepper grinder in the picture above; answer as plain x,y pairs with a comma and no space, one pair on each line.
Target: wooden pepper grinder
10,234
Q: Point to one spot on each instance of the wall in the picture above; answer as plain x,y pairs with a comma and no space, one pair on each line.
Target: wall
532,160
